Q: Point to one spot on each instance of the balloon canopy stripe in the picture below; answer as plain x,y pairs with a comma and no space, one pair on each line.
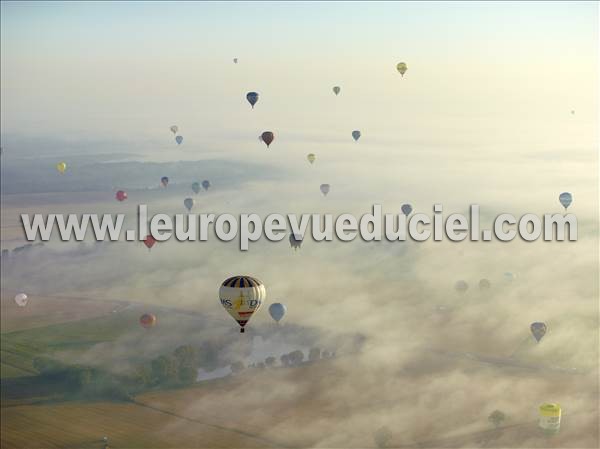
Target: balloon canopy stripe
241,282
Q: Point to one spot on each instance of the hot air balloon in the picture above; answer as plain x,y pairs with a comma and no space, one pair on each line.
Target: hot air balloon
235,60
549,420
196,187
252,98
121,195
461,286
311,158
402,68
295,241
356,135
267,137
174,129
21,299
206,184
277,311
484,284
178,139
565,199
164,181
149,241
406,209
61,167
148,320
241,296
336,90
538,330
188,203
509,277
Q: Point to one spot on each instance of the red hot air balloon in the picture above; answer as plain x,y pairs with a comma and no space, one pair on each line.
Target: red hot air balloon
149,241
121,195
147,320
267,137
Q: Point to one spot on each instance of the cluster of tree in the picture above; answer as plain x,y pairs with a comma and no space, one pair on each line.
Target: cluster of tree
382,437
20,249
497,418
82,381
178,368
293,358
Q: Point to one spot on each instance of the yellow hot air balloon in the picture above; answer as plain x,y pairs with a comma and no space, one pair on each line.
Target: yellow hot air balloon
550,418
402,68
311,158
61,167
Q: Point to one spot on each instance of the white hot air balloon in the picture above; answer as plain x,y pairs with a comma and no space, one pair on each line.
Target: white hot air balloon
241,296
21,299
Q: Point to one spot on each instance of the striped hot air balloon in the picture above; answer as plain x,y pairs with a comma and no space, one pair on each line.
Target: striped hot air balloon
241,296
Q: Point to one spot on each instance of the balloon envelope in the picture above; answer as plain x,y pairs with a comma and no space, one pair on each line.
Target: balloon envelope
402,68
277,311
267,137
336,90
61,167
565,199
164,181
538,330
252,98
406,209
174,129
196,187
121,195
241,296
235,60
295,240
311,158
147,320
509,277
461,286
21,299
188,203
206,184
356,135
484,284
149,241
325,189
178,139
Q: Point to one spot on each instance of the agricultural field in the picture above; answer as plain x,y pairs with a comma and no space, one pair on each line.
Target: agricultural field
48,310
82,426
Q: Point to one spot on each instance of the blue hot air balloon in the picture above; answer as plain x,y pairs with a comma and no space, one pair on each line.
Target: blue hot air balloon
509,277
565,199
538,330
356,135
406,209
277,311
252,98
178,139
188,203
196,187
206,184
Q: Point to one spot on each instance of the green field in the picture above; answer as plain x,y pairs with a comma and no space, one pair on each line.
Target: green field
18,349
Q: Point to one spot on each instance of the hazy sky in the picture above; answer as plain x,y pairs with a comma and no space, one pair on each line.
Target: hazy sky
128,70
